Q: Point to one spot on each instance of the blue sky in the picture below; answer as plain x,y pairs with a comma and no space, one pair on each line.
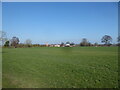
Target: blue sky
60,22
0,16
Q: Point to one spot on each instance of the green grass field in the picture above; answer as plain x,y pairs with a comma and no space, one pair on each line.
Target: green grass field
64,67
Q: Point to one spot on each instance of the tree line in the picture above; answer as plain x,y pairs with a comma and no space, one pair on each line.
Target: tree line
14,42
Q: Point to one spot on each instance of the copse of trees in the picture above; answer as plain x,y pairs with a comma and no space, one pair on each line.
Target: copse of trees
6,44
72,43
107,40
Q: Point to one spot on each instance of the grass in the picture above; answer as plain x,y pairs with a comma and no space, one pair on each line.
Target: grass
64,67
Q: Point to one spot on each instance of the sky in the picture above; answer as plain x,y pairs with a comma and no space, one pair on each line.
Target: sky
0,16
56,22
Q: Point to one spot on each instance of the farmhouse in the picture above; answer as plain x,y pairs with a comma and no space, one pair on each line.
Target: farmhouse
57,45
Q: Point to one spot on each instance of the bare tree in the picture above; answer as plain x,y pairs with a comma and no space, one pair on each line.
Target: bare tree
106,39
28,42
3,37
14,41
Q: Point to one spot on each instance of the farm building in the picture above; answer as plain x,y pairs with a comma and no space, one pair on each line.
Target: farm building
57,45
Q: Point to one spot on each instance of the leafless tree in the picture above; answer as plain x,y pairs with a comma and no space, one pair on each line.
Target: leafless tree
14,41
3,37
28,42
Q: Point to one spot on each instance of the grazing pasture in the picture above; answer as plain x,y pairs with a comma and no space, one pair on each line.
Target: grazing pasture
60,67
